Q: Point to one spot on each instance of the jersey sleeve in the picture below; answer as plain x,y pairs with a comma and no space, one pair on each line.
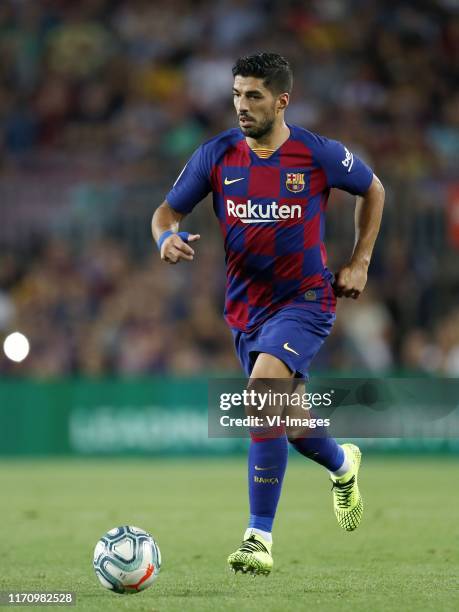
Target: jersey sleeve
343,169
192,184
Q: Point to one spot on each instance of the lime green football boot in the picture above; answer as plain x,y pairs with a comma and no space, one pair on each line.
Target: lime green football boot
347,501
253,556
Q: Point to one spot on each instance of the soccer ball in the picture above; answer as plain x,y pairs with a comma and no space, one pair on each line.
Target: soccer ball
127,560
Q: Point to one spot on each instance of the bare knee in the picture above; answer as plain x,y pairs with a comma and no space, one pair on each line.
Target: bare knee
269,375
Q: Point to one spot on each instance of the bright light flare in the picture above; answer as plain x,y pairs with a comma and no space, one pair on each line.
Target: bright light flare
16,347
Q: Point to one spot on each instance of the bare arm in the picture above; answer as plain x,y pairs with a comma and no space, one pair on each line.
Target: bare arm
351,279
173,249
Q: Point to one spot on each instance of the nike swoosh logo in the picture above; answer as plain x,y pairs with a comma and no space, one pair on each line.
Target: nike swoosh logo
263,469
230,182
287,348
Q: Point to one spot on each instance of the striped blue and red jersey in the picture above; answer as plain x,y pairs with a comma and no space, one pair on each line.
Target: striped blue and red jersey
272,216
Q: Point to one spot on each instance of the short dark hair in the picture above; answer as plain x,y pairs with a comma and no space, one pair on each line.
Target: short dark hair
271,67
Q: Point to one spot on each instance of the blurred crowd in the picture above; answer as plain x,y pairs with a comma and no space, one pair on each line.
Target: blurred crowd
102,102
99,312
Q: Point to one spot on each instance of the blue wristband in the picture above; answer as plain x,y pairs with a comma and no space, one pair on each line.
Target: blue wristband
183,235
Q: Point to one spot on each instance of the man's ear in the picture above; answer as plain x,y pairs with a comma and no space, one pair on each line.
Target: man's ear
282,101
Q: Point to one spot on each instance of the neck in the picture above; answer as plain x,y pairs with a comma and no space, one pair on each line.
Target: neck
273,139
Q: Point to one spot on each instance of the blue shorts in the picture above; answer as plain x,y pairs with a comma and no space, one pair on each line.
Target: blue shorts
293,334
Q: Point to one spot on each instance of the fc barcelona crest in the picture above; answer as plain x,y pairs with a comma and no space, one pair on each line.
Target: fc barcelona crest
295,182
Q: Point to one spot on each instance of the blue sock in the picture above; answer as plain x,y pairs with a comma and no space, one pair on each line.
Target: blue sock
267,464
324,450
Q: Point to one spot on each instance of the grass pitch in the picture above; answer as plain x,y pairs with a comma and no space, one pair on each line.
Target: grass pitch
403,557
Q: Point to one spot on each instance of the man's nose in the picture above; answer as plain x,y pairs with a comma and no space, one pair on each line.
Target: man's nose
243,105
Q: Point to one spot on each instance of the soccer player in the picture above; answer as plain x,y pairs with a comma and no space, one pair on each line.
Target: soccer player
270,182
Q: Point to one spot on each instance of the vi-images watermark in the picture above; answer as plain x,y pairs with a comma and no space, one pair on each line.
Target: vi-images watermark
410,408
274,409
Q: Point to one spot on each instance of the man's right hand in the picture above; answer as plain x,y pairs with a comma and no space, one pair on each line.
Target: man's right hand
175,249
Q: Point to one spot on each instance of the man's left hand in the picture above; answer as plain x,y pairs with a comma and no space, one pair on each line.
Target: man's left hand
350,281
